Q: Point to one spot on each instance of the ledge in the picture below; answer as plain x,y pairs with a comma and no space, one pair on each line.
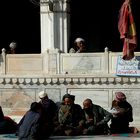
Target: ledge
68,79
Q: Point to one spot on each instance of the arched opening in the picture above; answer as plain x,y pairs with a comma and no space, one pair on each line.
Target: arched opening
97,22
20,22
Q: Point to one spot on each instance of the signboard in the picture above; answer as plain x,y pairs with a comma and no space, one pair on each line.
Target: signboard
128,67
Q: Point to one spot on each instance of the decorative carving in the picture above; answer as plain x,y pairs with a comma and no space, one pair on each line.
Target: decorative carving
71,80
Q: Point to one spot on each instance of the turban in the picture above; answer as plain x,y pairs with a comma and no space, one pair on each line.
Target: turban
120,96
42,94
68,96
79,40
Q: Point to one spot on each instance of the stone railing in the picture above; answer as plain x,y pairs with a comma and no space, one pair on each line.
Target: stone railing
54,62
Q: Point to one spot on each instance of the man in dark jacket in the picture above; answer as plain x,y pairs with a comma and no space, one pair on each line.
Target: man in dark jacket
96,118
49,110
70,116
122,115
7,125
29,128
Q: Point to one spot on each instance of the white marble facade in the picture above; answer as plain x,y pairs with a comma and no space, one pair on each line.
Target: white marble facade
86,75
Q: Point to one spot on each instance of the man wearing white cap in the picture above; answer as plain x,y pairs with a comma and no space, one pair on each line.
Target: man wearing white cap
48,114
12,46
79,46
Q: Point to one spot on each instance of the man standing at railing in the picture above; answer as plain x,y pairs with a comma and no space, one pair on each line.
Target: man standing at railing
13,46
79,46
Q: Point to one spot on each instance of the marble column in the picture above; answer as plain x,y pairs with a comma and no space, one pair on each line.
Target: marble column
55,24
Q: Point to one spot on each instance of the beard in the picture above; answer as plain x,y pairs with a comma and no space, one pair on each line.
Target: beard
88,110
68,107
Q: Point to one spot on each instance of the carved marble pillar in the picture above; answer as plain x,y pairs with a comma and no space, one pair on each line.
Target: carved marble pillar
54,25
3,62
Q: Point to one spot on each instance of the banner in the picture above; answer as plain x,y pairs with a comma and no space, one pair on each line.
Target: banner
129,67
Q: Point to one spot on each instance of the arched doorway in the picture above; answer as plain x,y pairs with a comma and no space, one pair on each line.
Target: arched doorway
97,22
20,22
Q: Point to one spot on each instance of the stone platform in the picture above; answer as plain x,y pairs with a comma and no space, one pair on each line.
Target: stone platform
102,137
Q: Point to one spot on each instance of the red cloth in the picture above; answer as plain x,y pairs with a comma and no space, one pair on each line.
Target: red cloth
126,27
120,96
8,126
7,118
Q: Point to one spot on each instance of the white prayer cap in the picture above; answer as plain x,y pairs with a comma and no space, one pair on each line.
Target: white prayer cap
13,45
79,39
42,94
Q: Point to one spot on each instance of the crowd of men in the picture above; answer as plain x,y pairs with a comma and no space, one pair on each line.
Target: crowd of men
47,118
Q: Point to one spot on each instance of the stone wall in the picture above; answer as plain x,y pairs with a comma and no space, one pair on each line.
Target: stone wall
16,98
90,75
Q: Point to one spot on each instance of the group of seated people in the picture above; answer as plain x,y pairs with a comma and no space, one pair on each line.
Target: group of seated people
47,118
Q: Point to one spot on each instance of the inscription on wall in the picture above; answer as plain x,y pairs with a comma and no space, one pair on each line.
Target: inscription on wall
128,67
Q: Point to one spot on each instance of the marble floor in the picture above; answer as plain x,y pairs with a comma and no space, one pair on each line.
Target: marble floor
110,137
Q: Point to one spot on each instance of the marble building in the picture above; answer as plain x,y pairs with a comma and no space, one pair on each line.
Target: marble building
85,75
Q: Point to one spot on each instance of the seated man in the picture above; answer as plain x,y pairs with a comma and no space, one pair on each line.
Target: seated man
29,128
7,125
122,115
49,109
70,116
96,119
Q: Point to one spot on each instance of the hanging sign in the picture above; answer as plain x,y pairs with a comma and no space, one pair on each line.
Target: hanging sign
128,67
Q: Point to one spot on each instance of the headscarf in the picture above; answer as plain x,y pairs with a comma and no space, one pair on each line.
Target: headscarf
13,45
66,96
120,96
